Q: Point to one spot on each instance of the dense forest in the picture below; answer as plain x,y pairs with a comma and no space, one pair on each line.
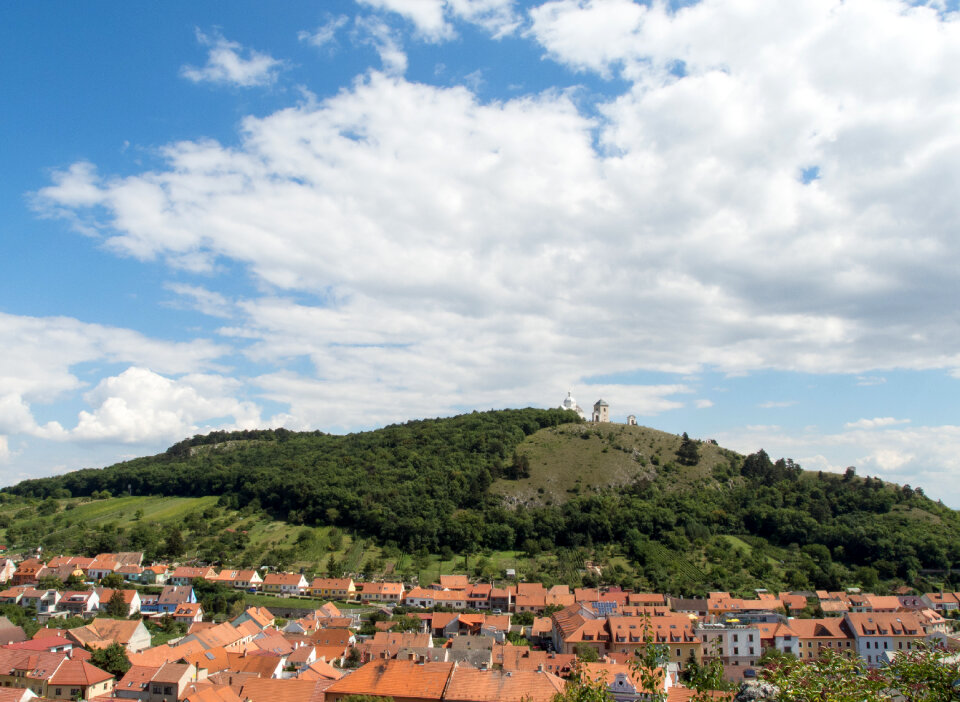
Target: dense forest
425,486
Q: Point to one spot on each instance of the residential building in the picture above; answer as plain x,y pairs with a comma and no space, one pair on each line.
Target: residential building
342,589
285,584
79,680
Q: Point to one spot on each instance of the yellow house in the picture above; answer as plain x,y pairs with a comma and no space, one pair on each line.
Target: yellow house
334,588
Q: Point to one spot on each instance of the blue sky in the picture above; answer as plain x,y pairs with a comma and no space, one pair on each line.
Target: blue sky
732,219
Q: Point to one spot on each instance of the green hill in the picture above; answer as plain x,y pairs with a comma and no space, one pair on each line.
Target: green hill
537,490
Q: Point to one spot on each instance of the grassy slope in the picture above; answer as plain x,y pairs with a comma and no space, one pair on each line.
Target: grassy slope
563,462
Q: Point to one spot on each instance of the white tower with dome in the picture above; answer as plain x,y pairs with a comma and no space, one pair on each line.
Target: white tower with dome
570,404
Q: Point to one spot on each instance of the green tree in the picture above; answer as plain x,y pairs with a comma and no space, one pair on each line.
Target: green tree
688,454
829,677
113,581
112,659
926,674
117,606
580,688
174,545
49,582
586,653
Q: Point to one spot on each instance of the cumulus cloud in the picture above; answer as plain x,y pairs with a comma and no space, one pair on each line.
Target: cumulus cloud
4,449
41,355
703,403
140,406
777,404
229,63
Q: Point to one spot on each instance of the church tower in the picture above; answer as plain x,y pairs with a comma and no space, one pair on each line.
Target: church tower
601,412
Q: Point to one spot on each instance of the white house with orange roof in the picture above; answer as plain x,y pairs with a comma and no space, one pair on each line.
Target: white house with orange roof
285,583
878,635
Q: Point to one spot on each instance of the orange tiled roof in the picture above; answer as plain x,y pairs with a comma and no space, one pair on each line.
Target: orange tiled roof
473,685
78,673
291,690
397,679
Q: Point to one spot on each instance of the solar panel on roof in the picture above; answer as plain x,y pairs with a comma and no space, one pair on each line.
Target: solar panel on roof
605,608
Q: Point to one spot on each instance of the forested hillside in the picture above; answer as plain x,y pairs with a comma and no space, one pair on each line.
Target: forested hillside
658,511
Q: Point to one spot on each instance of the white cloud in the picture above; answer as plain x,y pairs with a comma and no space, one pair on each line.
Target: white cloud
433,18
875,423
229,63
206,301
41,355
140,406
870,380
772,404
326,33
703,403
589,35
426,16
387,43
4,449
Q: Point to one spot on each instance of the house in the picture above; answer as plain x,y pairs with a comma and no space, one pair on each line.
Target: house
276,690
814,636
247,580
173,596
453,582
102,566
626,684
478,596
27,571
941,601
13,595
29,670
42,601
260,616
132,635
131,598
80,603
285,584
225,636
403,681
169,681
501,599
51,644
188,612
878,635
239,579
342,589
734,644
155,575
79,680
130,573
185,575
474,685
382,592
419,597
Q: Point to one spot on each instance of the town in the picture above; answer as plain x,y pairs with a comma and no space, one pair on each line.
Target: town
451,640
